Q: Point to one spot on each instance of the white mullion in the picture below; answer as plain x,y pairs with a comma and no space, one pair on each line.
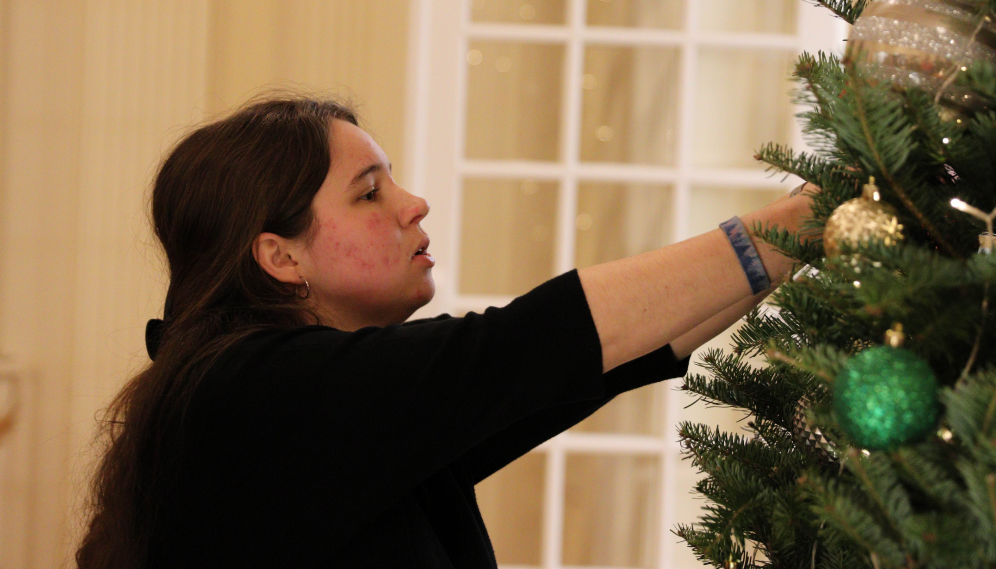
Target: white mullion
737,178
663,38
553,505
670,462
607,443
628,36
556,475
417,95
585,171
519,32
570,132
596,567
634,173
456,214
633,36
514,169
760,42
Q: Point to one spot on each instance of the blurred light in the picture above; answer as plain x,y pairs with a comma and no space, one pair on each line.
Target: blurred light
475,57
588,81
583,222
604,133
503,64
945,140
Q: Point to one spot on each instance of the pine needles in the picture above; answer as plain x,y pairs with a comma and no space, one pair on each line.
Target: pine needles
773,501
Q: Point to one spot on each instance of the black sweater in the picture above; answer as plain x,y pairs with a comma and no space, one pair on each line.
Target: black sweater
314,447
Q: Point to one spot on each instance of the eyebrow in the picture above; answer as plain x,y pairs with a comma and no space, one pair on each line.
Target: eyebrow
369,170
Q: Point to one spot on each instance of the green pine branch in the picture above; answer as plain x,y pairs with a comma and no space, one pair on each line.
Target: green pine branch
927,505
822,80
878,131
848,10
845,513
734,382
828,175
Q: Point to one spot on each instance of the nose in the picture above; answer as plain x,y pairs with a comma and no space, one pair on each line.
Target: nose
414,210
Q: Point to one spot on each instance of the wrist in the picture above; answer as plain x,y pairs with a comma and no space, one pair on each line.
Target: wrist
747,255
785,215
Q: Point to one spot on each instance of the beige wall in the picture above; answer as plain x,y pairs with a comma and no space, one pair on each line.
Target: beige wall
91,94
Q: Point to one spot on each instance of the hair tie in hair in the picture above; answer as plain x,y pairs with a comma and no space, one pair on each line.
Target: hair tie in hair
153,335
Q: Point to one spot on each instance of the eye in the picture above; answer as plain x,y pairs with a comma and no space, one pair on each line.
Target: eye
371,195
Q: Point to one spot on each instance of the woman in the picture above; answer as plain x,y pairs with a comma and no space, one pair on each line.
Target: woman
290,416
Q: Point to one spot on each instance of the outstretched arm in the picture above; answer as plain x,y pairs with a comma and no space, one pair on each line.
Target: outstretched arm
684,345
683,294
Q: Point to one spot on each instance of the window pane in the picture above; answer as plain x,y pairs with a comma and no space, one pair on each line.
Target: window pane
711,206
617,220
614,528
518,11
630,105
513,100
511,502
760,16
742,102
508,235
687,509
666,14
637,412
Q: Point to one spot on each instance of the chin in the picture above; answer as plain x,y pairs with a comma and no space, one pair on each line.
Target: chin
425,294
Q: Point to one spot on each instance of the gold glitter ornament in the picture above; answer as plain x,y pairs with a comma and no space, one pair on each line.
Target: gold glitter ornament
924,44
860,221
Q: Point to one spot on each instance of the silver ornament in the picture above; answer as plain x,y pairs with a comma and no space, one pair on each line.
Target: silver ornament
810,436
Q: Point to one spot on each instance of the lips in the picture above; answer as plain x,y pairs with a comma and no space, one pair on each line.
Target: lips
423,248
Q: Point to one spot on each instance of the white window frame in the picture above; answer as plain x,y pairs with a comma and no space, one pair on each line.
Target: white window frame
440,32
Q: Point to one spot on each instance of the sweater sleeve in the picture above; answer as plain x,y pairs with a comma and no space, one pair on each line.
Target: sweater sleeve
498,451
309,434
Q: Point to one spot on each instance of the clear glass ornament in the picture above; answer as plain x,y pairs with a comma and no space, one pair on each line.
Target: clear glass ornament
923,44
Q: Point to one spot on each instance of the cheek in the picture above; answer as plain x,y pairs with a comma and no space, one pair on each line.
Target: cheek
376,227
362,247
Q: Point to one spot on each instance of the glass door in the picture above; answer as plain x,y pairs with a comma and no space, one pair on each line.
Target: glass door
554,134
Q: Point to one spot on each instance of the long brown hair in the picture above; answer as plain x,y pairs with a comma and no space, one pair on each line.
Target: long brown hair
221,186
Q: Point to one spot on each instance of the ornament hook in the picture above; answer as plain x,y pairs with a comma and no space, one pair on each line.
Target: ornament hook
870,190
895,337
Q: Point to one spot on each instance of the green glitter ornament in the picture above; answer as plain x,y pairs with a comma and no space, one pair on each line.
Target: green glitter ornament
886,397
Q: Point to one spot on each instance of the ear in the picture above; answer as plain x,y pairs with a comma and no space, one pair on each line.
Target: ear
276,256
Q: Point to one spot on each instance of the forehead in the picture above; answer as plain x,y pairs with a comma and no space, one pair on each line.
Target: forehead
353,148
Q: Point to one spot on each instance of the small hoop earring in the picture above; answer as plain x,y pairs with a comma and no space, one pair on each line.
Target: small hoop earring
307,294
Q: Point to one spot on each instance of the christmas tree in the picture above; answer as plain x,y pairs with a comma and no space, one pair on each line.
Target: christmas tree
871,432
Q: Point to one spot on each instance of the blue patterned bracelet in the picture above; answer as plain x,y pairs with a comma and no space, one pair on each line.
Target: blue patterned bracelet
749,259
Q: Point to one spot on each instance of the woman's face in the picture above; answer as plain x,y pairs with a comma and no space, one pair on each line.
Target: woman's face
367,260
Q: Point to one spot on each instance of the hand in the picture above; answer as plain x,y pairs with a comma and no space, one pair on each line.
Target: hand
795,206
805,189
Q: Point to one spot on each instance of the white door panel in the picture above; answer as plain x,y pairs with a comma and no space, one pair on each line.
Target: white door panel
553,134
